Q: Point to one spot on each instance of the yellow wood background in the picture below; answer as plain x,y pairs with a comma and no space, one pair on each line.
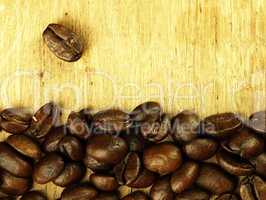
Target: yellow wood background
207,55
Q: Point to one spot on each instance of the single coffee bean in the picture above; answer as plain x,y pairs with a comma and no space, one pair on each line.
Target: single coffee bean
185,126
111,121
233,164
72,173
260,164
148,110
163,158
257,122
95,165
63,42
15,120
72,148
134,141
78,125
25,145
253,188
221,125
13,162
244,143
43,120
107,196
48,168
79,192
156,131
107,149
145,179
193,194
201,148
185,177
161,190
227,197
104,182
33,195
55,135
214,179
14,186
138,195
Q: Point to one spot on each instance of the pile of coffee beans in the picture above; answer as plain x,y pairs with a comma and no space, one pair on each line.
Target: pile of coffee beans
182,157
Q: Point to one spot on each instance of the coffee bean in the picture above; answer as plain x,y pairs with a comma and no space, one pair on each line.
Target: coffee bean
185,126
260,164
48,168
185,177
95,165
79,192
253,188
201,148
15,120
221,125
193,194
145,179
163,158
25,145
63,42
72,148
227,197
55,135
13,162
138,195
107,149
107,196
72,173
103,182
161,190
214,179
33,195
257,121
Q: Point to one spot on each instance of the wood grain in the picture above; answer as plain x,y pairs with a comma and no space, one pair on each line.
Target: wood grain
206,55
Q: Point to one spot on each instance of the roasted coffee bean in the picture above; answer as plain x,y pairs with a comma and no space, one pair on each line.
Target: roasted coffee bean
14,186
13,162
215,179
33,195
155,131
201,148
63,42
244,143
43,120
25,145
15,120
104,182
134,141
221,125
107,196
107,149
78,125
145,179
227,197
257,122
161,190
260,164
95,165
193,194
72,148
253,188
111,121
51,143
148,110
72,173
185,126
185,177
233,164
138,195
79,192
48,168
163,158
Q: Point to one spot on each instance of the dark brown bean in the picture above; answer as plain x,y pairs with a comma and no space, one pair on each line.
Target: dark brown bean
145,179
15,120
79,192
111,121
72,173
25,145
215,179
185,126
260,164
163,158
185,177
221,125
13,162
193,194
48,168
107,196
201,148
257,121
253,188
104,182
227,197
14,186
161,190
55,135
63,42
95,165
134,141
107,149
33,195
71,147
138,195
